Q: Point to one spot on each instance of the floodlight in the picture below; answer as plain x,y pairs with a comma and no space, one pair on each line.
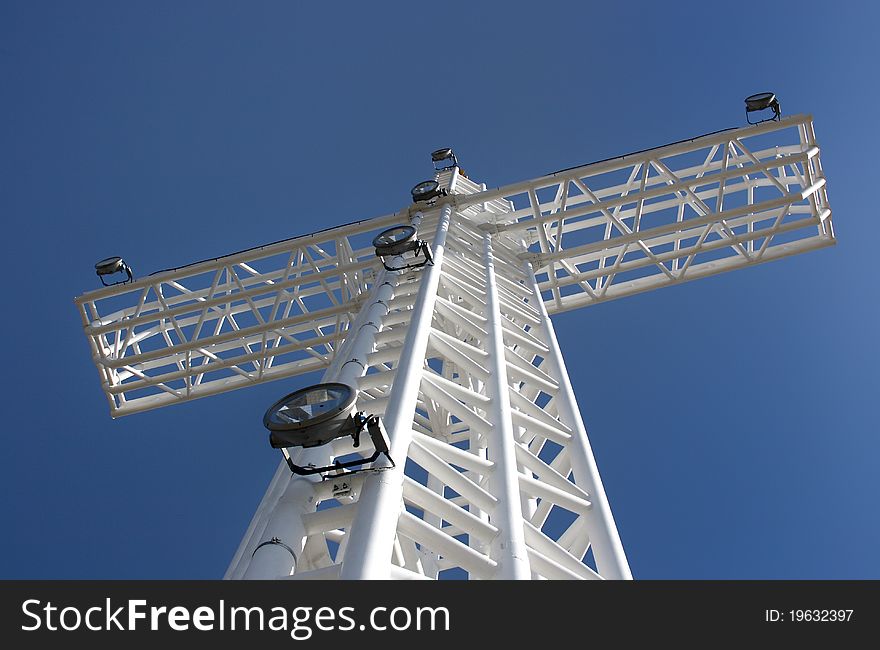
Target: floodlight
444,157
760,102
111,265
311,416
398,240
319,414
425,191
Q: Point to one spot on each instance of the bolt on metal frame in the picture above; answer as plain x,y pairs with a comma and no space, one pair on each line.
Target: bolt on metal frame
460,357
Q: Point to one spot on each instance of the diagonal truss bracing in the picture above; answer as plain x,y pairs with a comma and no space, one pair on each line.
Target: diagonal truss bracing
671,214
593,233
494,476
498,479
219,325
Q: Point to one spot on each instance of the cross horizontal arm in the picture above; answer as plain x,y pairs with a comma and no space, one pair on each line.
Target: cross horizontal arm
592,233
667,215
218,325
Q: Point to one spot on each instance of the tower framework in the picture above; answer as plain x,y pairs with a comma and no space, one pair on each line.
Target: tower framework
494,474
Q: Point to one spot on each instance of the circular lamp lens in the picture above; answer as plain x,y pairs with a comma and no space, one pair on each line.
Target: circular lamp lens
109,265
310,406
759,101
394,241
425,191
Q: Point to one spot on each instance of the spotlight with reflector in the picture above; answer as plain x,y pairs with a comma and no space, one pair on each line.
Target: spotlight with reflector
760,102
319,414
426,191
441,156
110,266
398,240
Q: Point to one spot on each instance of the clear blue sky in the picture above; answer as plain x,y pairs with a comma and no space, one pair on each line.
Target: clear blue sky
733,418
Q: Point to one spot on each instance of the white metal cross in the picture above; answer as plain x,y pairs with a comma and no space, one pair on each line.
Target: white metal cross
459,358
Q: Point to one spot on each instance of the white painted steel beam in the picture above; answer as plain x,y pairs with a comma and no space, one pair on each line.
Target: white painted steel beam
369,548
509,548
607,548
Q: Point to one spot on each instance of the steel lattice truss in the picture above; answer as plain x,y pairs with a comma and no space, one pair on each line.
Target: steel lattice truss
494,476
219,325
676,213
593,233
452,494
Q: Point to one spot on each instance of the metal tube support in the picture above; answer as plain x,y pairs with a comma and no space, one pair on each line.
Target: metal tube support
508,548
284,534
604,538
282,546
371,541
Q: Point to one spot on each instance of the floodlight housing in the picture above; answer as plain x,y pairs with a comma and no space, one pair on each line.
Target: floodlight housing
760,102
396,240
319,414
444,159
110,266
426,191
312,416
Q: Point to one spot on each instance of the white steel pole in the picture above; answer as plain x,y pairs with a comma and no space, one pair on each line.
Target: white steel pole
508,548
284,535
371,541
607,549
